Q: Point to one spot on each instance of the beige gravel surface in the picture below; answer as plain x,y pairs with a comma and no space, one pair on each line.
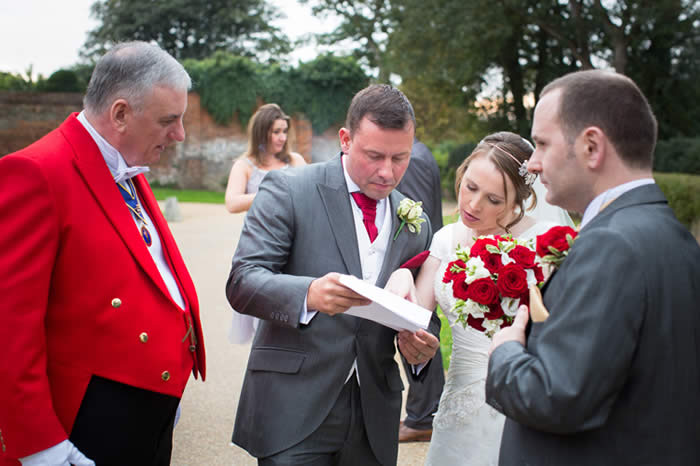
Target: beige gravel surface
207,238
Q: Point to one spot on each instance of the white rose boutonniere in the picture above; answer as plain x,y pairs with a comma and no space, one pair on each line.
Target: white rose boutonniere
409,211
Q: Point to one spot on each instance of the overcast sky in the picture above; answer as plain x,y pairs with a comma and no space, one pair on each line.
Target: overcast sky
48,34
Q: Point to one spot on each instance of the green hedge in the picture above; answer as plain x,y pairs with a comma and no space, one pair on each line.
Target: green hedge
678,155
320,89
683,194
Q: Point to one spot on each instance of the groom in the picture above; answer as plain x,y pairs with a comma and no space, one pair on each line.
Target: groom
612,376
322,387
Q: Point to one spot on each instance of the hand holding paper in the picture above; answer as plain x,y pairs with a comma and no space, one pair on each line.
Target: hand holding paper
329,295
386,308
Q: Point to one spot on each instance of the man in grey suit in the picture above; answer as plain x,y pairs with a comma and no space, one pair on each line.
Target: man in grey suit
421,182
612,376
322,387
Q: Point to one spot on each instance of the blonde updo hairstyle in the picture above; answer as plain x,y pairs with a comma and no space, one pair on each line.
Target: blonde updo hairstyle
497,147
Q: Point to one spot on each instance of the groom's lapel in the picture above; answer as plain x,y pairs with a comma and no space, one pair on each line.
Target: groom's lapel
336,201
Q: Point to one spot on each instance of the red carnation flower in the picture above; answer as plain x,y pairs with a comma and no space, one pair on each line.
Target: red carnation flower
512,281
483,291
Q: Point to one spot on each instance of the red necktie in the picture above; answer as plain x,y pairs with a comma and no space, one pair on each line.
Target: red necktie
369,212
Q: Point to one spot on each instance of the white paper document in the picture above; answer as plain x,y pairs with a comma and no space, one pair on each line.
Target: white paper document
386,308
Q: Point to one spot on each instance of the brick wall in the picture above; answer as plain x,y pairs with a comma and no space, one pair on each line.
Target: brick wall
202,161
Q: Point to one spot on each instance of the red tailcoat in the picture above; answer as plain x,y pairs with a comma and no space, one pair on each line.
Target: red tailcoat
81,295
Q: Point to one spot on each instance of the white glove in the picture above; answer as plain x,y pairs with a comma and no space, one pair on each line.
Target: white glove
62,454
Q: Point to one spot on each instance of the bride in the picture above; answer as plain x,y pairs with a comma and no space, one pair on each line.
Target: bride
494,192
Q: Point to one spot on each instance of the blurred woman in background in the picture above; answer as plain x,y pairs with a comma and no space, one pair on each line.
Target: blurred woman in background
267,150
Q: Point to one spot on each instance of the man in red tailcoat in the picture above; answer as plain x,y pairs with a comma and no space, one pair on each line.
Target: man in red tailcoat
100,320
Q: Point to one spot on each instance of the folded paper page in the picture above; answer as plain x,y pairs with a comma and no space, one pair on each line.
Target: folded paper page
386,308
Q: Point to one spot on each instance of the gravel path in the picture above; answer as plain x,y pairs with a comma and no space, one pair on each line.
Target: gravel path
207,238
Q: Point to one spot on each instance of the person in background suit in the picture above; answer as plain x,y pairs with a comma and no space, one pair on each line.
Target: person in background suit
421,182
323,387
612,375
100,322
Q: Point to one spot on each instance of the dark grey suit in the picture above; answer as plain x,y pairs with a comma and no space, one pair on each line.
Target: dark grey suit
421,182
612,377
301,227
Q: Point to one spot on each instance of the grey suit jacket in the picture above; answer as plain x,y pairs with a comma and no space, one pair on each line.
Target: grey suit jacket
301,227
612,377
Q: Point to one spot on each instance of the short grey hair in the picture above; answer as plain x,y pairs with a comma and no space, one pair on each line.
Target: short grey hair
130,70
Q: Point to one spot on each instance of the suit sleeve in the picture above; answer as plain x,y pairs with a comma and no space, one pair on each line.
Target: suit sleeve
577,361
29,241
257,284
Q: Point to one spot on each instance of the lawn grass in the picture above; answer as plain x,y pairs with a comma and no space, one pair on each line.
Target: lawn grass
189,195
445,329
445,339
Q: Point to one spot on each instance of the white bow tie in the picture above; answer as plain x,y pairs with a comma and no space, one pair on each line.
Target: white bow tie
126,172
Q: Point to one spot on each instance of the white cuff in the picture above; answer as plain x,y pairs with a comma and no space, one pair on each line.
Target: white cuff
61,454
306,315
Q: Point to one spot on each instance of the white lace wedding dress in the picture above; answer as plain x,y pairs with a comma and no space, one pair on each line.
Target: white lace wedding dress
466,431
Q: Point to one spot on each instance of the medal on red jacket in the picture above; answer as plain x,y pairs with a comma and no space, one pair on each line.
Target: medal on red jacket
128,192
146,235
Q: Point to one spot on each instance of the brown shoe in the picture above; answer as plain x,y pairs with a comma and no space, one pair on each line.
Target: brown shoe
407,434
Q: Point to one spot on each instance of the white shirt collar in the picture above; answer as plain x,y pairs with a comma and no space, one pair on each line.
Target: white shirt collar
595,205
114,160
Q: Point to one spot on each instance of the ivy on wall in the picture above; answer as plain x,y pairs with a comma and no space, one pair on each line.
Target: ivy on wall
320,89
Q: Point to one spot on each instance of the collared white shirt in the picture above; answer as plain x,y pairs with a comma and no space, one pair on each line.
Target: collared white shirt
121,172
599,201
371,253
115,161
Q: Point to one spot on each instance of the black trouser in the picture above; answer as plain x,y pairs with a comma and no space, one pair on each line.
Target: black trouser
423,398
119,425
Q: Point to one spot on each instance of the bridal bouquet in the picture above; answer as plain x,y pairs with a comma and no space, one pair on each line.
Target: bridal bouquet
491,280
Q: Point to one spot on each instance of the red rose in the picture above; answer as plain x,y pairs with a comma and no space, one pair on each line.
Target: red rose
449,274
483,291
459,286
475,323
480,246
512,281
556,238
492,262
495,311
539,275
523,256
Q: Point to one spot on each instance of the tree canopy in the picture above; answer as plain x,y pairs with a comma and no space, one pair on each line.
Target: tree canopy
367,23
188,28
494,56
